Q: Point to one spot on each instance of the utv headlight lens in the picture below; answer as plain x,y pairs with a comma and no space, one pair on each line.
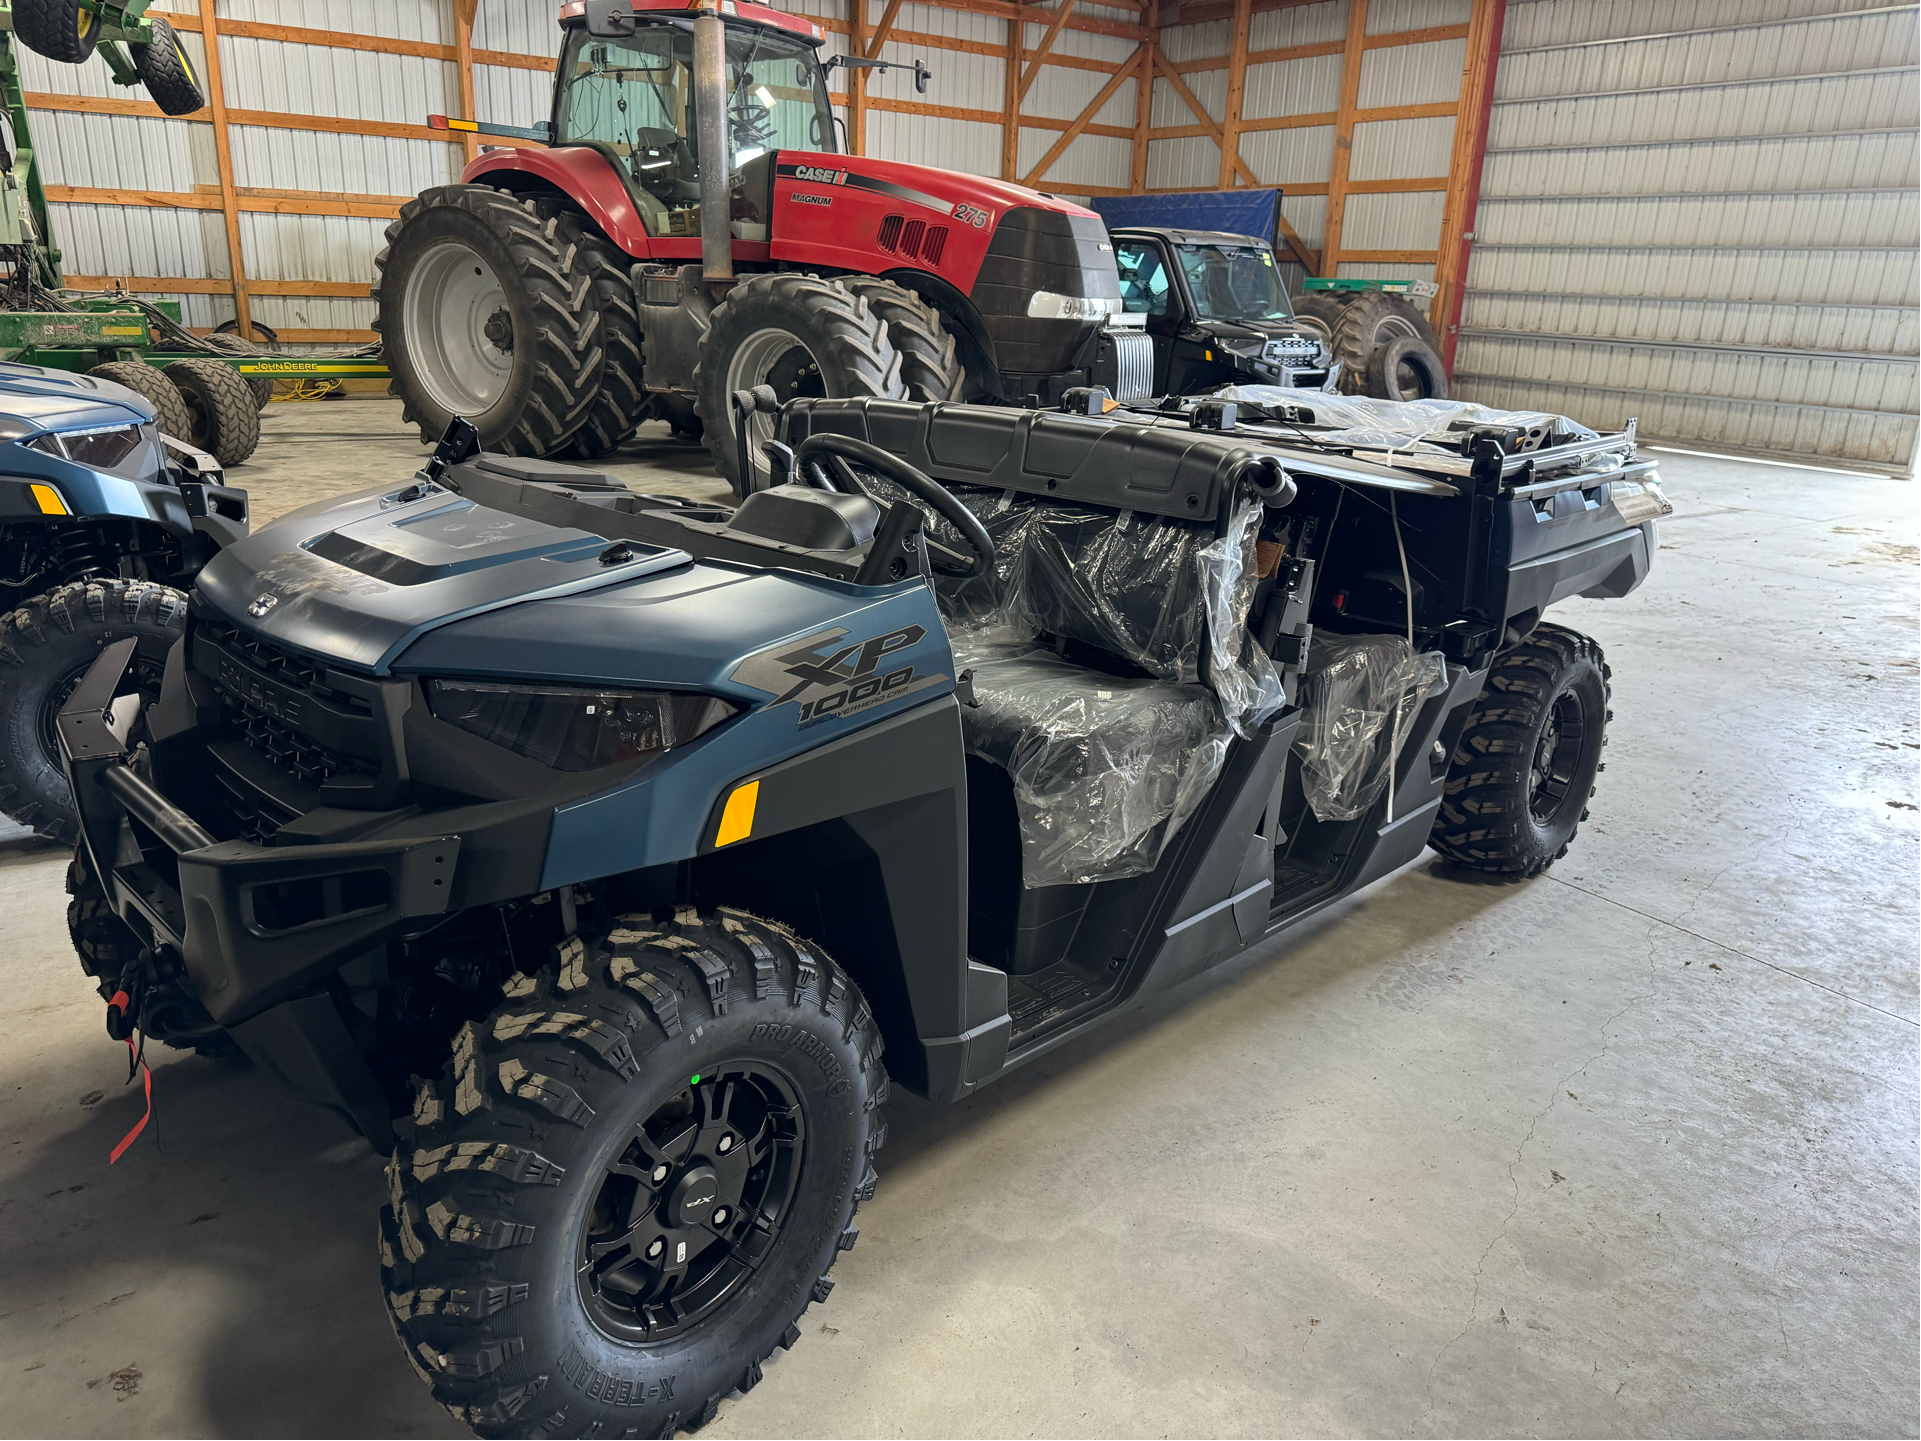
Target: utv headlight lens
575,728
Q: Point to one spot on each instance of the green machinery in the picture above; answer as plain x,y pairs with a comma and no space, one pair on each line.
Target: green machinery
194,381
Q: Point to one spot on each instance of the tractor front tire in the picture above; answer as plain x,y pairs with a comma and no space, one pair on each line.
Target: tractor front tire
64,30
167,72
224,412
1523,770
488,311
799,334
170,411
930,366
633,1178
46,646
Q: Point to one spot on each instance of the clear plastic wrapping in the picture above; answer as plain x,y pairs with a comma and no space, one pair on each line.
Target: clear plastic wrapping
1105,770
1242,675
1363,694
1366,423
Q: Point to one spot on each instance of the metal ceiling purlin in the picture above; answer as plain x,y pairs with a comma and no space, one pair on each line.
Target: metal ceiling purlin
1762,292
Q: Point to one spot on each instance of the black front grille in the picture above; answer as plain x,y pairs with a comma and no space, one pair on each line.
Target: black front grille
289,667
292,753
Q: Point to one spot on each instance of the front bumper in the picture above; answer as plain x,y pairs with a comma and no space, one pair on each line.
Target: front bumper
253,925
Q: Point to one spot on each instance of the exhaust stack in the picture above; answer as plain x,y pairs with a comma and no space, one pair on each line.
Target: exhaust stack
716,158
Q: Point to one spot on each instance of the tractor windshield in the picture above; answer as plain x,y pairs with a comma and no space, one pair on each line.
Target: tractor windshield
1234,282
635,97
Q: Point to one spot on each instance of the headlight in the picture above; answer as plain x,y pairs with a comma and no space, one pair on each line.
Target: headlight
1046,305
574,728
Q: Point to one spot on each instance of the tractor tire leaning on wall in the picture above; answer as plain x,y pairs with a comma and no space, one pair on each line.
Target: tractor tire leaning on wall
1368,320
1407,368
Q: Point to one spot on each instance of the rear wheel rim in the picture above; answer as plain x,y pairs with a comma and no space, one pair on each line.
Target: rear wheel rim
1558,756
459,329
692,1204
776,358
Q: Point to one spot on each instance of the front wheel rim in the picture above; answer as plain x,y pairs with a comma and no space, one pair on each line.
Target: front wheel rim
1559,754
692,1204
459,329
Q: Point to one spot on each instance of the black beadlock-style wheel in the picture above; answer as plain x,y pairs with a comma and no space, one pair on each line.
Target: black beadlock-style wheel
1524,768
1366,323
46,647
930,365
488,310
633,1178
167,71
621,403
224,414
151,385
65,30
800,334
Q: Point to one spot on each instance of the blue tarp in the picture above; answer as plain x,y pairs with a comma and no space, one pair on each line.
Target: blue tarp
1238,212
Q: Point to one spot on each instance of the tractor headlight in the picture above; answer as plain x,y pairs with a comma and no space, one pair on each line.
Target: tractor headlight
575,728
1046,305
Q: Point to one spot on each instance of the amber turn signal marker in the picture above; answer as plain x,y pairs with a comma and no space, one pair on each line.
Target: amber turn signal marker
737,819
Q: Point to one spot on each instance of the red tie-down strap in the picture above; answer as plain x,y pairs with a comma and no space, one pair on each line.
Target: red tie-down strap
122,1001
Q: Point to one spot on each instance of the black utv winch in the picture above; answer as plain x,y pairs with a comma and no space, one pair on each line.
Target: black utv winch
586,850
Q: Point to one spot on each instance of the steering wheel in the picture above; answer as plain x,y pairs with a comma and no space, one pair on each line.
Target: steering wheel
839,449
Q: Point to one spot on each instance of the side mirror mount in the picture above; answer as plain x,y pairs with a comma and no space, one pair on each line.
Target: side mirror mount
611,19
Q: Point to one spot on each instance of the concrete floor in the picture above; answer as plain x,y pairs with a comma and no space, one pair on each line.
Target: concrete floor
1626,1150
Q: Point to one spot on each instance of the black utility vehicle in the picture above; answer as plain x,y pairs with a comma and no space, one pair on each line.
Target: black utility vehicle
586,849
1215,308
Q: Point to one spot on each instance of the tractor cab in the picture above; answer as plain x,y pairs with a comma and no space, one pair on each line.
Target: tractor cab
631,97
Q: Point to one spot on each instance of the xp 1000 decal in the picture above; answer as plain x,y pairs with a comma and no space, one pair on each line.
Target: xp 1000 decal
826,675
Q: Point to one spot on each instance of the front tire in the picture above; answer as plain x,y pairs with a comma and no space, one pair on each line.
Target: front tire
46,647
1524,768
800,334
930,365
488,311
633,1178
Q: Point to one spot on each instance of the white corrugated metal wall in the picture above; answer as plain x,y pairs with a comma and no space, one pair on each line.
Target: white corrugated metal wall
1704,214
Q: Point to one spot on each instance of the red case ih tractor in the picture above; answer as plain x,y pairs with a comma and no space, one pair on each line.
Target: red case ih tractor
561,294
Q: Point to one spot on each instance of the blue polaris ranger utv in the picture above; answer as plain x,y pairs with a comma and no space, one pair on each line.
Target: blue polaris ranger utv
586,849
103,523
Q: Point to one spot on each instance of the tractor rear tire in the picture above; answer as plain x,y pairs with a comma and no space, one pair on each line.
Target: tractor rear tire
225,412
930,366
170,406
64,30
1523,770
167,72
621,403
799,334
1407,368
1368,321
46,647
633,1178
488,311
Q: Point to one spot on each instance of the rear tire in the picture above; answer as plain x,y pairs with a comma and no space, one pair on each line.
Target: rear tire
488,310
225,414
798,333
64,30
567,1137
151,385
46,646
1368,321
930,365
167,71
620,404
1523,770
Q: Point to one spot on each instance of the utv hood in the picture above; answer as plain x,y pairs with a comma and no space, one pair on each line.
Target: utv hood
357,581
34,399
